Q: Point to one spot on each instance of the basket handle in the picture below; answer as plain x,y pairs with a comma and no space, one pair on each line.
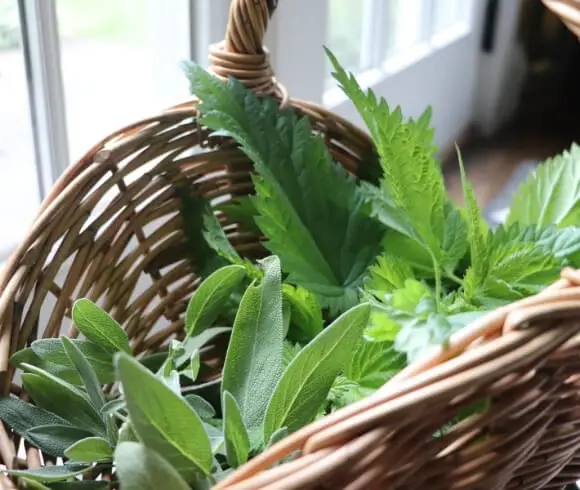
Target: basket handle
242,54
568,11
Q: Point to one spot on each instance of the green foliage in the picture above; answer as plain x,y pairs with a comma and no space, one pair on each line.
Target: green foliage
89,450
306,381
235,432
181,438
207,302
256,342
551,196
142,468
98,327
298,188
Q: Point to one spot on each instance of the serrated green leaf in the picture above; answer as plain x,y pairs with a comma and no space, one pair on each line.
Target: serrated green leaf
373,363
455,239
307,380
87,373
388,274
202,407
90,450
142,468
22,416
298,187
207,302
55,438
289,352
62,398
413,193
305,313
180,437
97,326
101,360
235,432
477,230
551,195
243,212
47,474
253,362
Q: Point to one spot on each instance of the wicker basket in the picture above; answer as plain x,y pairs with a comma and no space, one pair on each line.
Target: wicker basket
111,230
568,11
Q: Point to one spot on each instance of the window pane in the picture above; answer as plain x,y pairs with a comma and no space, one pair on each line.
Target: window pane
19,197
345,31
403,23
447,13
120,62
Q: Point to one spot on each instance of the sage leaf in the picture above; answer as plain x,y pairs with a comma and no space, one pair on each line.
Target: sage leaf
86,372
22,416
63,399
52,351
89,450
194,344
307,380
163,420
113,406
80,485
202,407
55,438
235,433
97,326
254,358
207,302
126,432
47,474
141,468
277,436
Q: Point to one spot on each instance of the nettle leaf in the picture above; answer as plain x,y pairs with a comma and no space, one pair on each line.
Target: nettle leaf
373,363
142,468
235,432
298,188
388,274
87,373
164,421
89,450
455,238
521,263
551,195
413,199
305,313
253,361
54,439
307,380
62,398
477,229
46,474
97,326
208,300
289,352
242,211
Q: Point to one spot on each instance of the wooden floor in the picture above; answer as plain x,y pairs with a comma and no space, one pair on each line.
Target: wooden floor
490,163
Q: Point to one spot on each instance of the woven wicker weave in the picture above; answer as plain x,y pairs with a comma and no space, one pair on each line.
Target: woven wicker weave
111,230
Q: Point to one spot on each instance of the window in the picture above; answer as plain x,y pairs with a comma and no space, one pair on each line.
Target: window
120,62
73,71
19,197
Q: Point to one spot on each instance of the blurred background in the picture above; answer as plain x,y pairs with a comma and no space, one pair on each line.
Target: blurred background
502,77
